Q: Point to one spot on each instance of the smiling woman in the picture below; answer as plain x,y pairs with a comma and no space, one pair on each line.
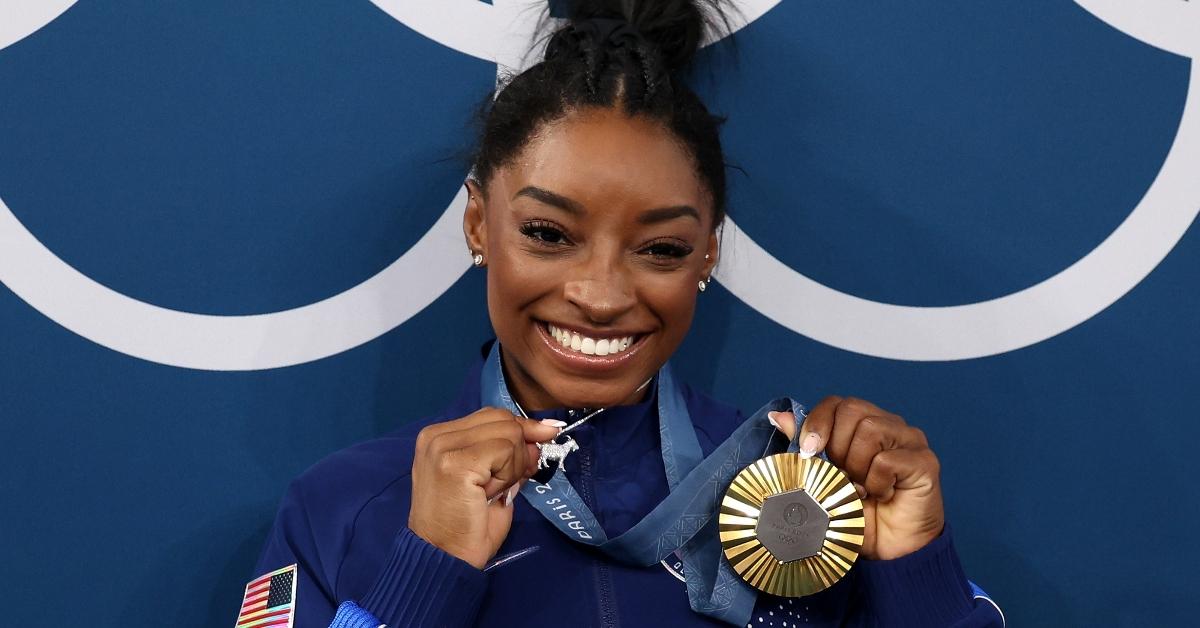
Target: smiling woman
594,206
579,231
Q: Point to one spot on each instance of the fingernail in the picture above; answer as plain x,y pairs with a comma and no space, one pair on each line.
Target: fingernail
810,445
511,494
552,423
771,419
861,490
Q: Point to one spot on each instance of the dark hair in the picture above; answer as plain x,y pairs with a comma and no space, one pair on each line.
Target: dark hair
626,53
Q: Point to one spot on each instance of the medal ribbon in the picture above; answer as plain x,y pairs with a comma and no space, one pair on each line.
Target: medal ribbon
686,519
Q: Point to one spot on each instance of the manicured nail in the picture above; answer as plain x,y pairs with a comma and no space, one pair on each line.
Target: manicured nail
771,419
552,423
810,445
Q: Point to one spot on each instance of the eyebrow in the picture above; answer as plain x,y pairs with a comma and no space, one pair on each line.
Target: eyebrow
550,198
663,214
649,217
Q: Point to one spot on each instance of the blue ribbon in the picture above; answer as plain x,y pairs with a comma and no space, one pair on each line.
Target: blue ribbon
686,519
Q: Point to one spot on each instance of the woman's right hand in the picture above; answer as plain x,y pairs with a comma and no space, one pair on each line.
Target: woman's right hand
465,475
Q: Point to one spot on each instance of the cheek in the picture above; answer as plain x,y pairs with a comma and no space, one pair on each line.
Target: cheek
516,277
673,299
514,280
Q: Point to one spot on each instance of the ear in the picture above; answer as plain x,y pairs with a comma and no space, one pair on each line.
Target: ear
475,220
713,251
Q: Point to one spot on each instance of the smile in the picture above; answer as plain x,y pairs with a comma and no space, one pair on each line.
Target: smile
587,345
590,353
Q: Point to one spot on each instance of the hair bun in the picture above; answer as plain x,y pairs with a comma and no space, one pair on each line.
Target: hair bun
675,28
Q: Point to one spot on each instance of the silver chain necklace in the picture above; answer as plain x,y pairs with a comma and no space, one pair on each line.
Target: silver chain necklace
553,453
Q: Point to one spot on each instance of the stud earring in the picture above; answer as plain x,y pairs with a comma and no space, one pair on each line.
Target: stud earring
702,285
477,259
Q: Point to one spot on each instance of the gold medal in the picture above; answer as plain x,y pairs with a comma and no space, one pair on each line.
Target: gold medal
791,526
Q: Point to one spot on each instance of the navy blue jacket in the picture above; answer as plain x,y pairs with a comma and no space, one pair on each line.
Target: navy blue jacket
343,523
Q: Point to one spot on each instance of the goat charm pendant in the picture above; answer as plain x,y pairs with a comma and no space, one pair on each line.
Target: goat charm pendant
551,457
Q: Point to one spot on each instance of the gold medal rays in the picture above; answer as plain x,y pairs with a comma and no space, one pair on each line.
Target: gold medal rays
773,525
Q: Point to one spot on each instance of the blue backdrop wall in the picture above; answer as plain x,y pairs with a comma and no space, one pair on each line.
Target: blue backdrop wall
230,244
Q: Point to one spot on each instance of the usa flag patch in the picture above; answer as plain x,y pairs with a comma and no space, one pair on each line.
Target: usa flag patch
269,600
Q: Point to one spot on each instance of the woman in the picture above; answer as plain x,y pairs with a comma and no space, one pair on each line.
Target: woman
595,202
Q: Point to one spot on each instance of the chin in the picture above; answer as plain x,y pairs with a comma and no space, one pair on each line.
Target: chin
590,394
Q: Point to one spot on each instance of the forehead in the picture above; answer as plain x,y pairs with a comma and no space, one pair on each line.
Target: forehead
604,157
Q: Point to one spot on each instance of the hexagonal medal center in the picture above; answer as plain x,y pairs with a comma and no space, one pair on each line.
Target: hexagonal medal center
792,525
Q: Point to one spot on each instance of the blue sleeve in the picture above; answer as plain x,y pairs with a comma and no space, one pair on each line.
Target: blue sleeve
351,615
291,541
925,589
419,584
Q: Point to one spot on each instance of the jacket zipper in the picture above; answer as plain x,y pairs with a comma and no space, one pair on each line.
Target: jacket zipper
606,601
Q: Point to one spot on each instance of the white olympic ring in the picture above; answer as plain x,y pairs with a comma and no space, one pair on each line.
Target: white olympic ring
20,18
1027,316
431,266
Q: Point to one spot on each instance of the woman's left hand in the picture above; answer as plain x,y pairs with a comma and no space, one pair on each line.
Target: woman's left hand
890,464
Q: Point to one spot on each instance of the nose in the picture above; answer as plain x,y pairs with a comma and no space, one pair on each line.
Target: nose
602,292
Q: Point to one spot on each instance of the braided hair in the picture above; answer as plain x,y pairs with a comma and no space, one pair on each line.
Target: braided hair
626,54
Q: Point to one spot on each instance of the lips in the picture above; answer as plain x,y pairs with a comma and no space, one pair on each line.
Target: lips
590,352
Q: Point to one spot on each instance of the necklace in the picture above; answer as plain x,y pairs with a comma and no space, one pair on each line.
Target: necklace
552,454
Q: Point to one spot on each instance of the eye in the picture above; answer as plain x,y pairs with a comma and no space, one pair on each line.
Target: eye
543,232
667,250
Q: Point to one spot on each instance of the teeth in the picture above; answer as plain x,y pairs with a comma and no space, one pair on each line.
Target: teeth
590,346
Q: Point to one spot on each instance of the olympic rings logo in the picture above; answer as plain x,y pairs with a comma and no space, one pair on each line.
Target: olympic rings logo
422,274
